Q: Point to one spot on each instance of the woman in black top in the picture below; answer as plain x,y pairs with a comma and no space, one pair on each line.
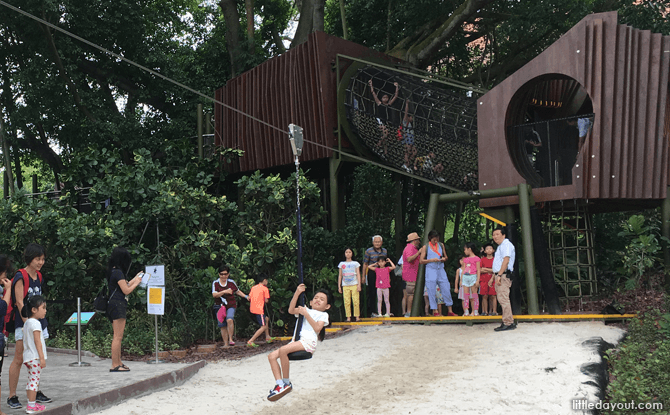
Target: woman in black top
119,287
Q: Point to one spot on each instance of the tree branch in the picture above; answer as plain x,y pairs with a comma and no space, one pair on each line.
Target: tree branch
421,52
62,72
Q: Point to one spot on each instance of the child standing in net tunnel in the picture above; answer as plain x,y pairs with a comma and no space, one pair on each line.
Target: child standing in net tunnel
383,283
315,321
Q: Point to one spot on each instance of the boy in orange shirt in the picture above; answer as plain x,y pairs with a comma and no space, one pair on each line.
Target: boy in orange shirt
258,296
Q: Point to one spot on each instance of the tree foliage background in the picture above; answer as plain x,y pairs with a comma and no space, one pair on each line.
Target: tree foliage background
73,114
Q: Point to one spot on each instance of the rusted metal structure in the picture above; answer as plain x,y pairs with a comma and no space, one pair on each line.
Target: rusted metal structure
296,87
602,73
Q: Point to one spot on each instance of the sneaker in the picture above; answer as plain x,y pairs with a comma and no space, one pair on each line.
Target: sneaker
374,315
42,398
485,314
279,391
450,314
467,314
407,315
387,316
13,402
36,408
476,313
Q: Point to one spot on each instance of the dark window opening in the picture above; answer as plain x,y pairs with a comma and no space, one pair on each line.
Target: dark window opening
548,122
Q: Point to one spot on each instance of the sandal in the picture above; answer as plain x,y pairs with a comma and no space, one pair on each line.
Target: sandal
252,344
231,343
270,340
120,368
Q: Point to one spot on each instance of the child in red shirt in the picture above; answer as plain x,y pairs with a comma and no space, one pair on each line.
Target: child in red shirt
383,283
487,284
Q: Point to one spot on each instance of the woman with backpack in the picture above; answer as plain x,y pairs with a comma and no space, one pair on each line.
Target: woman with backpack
119,288
27,282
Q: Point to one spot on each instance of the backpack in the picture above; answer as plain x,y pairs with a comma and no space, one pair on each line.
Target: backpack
9,317
101,300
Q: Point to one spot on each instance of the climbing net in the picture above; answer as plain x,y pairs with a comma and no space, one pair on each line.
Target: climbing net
416,125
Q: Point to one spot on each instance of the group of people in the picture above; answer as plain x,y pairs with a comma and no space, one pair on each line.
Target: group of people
488,276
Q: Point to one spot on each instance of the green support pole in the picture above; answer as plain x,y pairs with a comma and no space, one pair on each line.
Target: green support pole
528,254
333,167
430,222
665,231
482,194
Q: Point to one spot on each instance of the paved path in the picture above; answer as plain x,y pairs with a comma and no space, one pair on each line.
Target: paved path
82,390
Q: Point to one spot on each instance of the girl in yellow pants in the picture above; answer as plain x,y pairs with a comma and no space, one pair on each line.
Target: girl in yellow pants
349,283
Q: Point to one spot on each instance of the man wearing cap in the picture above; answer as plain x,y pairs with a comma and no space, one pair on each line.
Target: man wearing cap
410,269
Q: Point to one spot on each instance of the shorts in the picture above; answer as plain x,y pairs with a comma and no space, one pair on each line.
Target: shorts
34,371
410,285
18,333
116,309
484,288
309,345
230,315
259,319
469,279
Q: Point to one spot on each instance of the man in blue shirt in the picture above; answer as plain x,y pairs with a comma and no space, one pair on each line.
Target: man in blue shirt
503,265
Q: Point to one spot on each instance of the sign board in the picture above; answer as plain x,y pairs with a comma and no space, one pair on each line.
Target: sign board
85,318
156,300
156,275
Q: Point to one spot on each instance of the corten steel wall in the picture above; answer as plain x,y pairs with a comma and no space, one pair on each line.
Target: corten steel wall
625,72
297,87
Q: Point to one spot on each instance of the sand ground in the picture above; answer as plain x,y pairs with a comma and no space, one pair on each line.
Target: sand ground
404,369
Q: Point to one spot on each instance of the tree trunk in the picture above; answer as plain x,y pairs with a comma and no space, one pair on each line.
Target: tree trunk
5,151
17,169
318,12
249,4
344,20
232,20
305,24
388,25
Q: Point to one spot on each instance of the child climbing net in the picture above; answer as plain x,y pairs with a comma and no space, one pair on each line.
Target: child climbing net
316,320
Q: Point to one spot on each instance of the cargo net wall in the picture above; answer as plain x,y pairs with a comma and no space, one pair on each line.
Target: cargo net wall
570,235
416,125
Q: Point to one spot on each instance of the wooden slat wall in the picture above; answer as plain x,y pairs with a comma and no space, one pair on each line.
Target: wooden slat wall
625,72
283,90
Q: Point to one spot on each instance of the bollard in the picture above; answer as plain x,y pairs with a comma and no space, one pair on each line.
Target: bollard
79,363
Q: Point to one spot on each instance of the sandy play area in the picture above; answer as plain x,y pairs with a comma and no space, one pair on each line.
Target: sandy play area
403,369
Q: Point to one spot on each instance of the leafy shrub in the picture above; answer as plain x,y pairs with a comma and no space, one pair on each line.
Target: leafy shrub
640,367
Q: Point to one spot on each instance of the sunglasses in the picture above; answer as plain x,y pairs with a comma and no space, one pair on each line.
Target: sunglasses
224,273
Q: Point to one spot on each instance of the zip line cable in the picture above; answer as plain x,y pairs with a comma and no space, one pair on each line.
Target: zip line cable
207,97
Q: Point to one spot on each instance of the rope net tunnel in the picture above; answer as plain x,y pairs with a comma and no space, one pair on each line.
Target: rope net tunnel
422,127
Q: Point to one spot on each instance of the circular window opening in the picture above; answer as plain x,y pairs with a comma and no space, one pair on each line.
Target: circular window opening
547,122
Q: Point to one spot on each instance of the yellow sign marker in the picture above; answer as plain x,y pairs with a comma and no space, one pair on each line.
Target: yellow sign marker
489,217
155,295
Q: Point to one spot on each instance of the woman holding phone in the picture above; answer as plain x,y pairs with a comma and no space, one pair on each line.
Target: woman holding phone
119,288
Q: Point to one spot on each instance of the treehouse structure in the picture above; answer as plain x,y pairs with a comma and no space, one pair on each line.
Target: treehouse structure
582,128
587,125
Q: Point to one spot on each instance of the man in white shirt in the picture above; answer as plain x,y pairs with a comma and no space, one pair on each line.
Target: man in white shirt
503,265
